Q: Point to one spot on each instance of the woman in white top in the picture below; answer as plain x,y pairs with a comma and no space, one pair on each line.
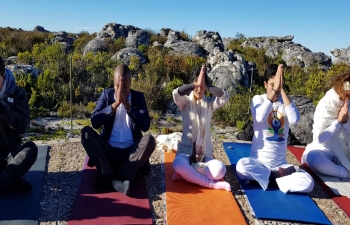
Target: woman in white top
194,159
329,151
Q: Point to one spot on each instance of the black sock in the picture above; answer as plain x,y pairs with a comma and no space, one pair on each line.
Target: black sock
272,183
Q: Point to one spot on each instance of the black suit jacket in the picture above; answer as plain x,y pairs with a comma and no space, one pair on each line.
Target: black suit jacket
104,116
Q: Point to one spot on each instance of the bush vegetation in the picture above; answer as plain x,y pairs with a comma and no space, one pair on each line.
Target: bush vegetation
163,72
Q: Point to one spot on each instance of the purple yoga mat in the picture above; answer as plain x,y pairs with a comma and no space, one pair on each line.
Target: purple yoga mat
110,207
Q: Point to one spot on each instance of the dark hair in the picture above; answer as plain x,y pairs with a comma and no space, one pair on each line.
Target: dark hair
195,74
2,67
270,72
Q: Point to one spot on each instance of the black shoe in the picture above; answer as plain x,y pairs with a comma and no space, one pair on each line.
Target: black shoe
122,187
21,185
90,163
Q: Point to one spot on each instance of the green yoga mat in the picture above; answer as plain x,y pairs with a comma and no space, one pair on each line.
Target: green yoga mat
23,208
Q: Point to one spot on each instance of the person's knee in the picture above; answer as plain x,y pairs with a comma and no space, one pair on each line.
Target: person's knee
30,150
241,167
179,162
312,157
150,142
86,132
217,169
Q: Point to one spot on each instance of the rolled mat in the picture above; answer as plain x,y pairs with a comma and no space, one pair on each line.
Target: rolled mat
109,207
188,203
342,201
23,208
273,204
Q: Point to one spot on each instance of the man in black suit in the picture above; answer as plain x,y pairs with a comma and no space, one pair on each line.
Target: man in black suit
120,152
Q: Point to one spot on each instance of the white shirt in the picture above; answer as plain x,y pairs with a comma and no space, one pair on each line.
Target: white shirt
121,136
271,127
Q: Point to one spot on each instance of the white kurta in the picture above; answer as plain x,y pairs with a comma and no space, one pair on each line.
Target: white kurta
329,135
269,145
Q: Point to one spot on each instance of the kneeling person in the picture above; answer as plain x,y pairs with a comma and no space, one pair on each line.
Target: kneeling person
272,113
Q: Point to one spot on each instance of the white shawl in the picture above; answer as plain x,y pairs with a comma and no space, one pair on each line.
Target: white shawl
326,112
199,124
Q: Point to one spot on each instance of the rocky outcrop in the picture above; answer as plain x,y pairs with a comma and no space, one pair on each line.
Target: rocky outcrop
303,129
125,55
292,53
209,40
179,46
64,39
136,38
24,69
40,29
341,55
110,32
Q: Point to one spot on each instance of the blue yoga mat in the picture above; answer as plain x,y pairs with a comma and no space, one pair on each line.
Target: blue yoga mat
23,208
273,204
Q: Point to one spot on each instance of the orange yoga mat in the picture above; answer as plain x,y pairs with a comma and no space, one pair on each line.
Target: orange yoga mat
188,203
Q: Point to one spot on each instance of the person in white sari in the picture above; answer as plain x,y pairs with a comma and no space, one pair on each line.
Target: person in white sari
329,152
194,158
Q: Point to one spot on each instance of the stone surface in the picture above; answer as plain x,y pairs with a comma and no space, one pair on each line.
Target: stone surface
125,55
292,53
209,40
303,129
136,38
341,55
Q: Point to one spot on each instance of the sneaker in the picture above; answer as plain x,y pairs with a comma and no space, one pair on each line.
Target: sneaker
122,187
281,172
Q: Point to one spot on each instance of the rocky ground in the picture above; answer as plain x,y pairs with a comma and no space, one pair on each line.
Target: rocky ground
65,161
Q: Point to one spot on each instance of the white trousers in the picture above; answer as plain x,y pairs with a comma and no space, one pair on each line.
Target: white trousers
252,169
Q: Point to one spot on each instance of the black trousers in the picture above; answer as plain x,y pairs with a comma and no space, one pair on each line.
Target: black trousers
122,163
15,164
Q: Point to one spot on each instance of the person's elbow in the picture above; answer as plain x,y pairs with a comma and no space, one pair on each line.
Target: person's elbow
294,120
24,129
145,125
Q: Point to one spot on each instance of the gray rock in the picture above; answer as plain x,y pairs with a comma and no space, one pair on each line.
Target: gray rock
63,38
164,32
95,45
237,68
24,69
136,38
40,29
303,129
226,77
209,40
179,46
125,55
292,53
341,55
110,32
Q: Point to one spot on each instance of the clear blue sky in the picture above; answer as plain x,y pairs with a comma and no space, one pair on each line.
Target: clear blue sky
318,25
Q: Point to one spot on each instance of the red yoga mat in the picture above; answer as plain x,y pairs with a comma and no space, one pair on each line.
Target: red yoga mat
91,207
342,201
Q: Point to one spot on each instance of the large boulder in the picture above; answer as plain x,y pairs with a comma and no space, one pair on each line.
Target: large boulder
109,33
303,129
64,39
229,70
40,29
125,55
341,55
179,46
209,40
292,53
136,38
